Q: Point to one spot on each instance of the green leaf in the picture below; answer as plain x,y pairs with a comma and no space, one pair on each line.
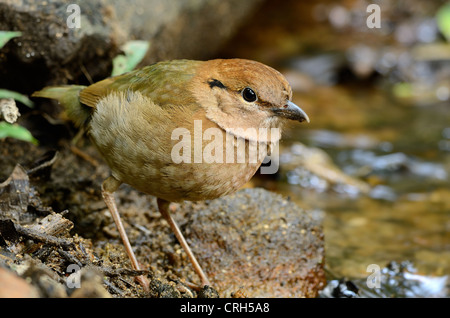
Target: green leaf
402,90
4,93
134,53
5,36
17,132
443,20
119,65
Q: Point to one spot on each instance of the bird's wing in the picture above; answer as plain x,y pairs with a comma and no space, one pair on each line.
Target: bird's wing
163,82
91,95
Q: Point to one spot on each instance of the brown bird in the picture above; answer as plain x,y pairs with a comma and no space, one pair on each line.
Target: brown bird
174,130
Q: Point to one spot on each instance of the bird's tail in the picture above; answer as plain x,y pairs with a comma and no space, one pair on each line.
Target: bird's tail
68,97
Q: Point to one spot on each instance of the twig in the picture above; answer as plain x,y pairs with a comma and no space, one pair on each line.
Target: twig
86,73
45,164
69,257
84,155
112,288
122,272
42,237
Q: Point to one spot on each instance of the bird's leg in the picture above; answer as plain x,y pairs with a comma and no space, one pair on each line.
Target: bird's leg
109,186
163,207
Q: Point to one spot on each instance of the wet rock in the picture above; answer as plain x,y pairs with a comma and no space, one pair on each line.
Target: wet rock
313,168
397,163
259,243
397,279
340,289
180,29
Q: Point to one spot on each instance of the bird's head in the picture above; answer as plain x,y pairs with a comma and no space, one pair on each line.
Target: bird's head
239,94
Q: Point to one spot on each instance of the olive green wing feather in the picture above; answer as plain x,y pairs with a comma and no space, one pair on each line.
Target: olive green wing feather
162,82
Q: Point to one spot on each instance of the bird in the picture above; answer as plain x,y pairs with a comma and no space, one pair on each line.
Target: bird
154,127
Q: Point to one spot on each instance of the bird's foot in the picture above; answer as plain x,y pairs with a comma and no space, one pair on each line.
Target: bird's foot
197,287
144,282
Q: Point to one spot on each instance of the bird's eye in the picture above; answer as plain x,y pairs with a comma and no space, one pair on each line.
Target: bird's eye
249,95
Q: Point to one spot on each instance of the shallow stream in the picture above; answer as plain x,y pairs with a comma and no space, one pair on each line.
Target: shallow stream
379,104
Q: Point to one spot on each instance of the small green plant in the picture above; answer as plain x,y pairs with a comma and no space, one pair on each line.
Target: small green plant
134,52
16,131
4,93
5,36
443,20
8,129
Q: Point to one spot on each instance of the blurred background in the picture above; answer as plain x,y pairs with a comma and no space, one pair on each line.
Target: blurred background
374,162
379,103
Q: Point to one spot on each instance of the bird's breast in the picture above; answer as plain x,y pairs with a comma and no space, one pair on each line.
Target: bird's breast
175,154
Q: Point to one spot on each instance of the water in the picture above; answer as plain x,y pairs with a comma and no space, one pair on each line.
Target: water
379,102
398,151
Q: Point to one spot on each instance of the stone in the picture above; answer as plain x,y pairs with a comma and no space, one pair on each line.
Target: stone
13,286
258,242
51,52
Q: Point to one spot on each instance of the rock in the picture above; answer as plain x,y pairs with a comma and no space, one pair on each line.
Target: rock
13,286
208,292
313,168
258,242
175,29
159,289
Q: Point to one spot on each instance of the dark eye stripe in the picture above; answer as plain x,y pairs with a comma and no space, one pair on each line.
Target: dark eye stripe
216,83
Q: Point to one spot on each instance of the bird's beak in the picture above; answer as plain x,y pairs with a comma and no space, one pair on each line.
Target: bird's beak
291,111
